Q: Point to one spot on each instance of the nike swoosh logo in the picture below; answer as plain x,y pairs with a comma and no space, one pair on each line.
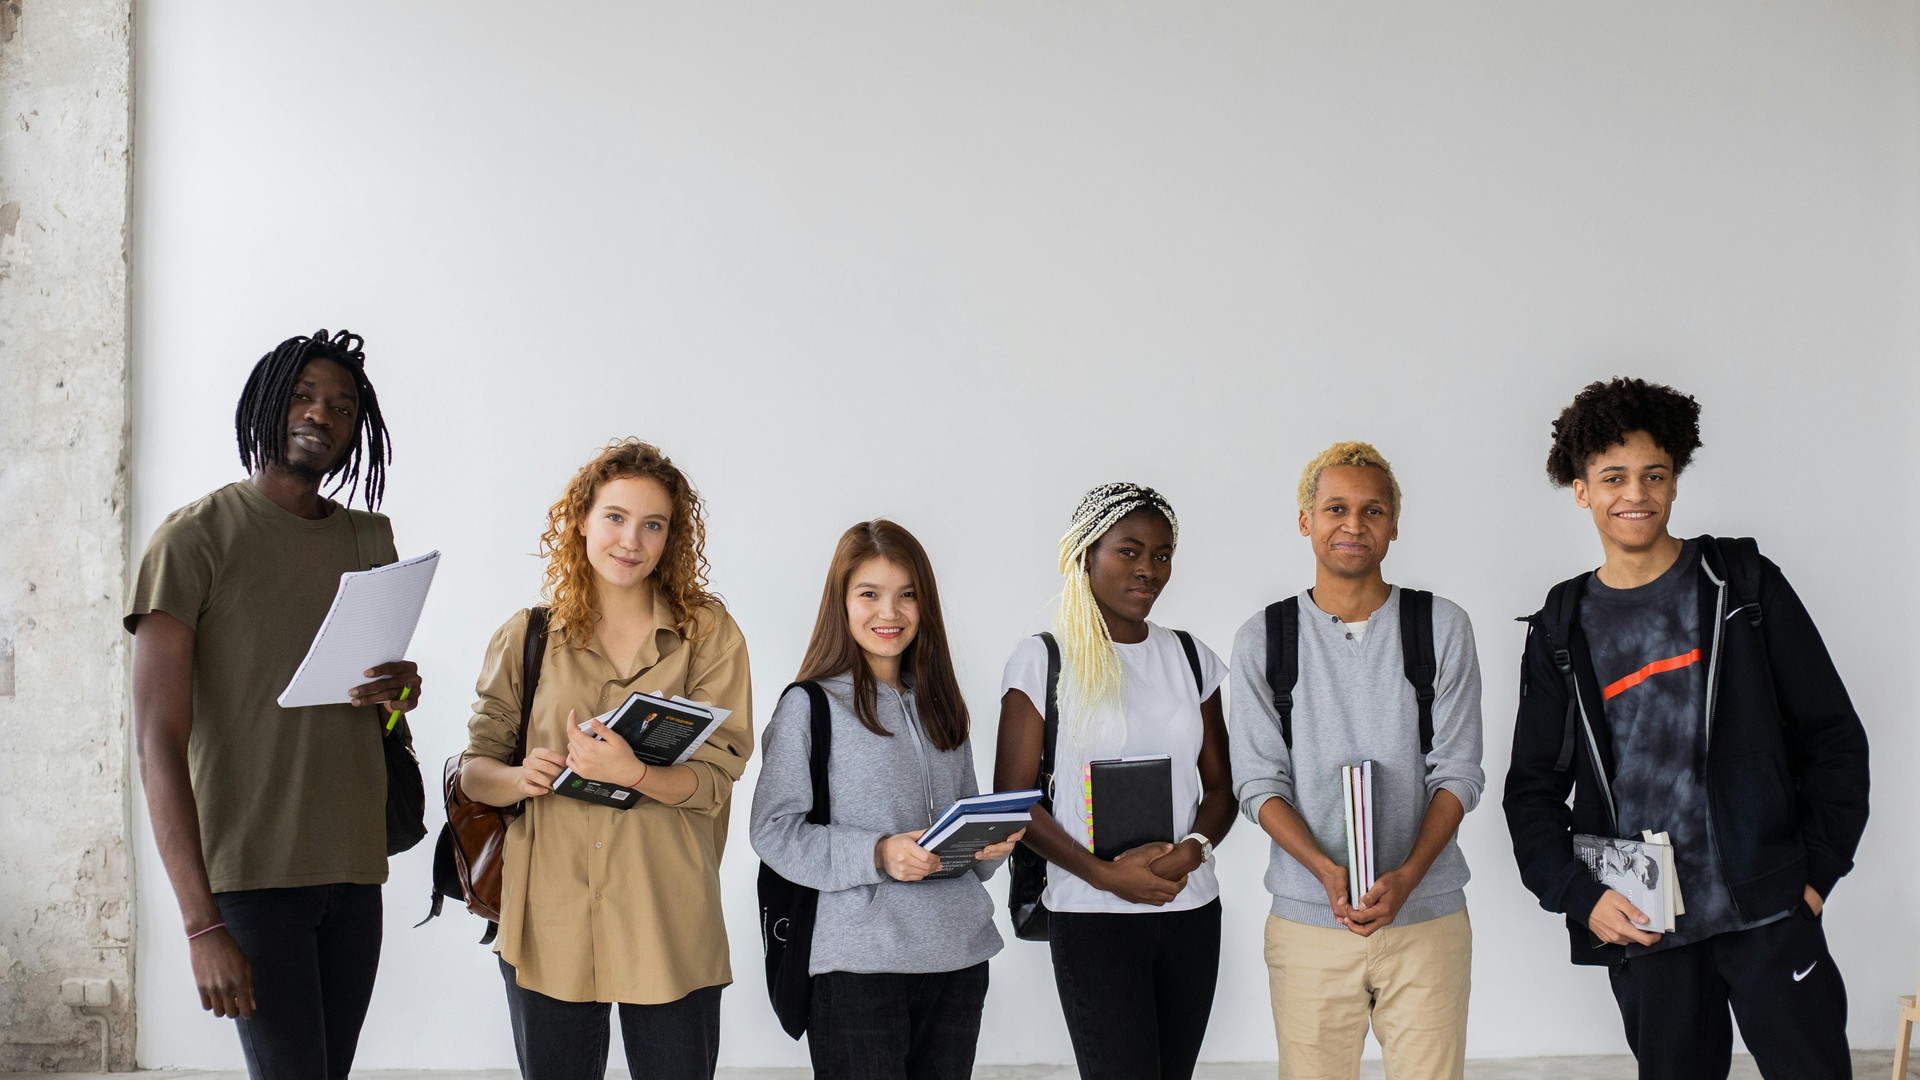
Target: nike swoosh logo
1798,975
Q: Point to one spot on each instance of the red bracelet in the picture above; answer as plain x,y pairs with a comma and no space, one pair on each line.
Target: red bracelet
644,770
208,930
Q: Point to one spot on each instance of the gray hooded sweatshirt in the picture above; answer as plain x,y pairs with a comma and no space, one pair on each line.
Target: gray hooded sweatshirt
1353,703
878,785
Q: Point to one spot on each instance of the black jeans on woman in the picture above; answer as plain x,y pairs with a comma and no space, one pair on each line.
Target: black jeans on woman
1137,989
865,1026
314,951
567,1040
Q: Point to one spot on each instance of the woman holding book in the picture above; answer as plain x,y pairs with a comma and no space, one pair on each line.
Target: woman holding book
1135,936
900,945
602,905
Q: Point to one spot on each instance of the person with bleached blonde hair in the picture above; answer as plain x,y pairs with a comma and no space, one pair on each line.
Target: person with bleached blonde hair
1135,934
1357,670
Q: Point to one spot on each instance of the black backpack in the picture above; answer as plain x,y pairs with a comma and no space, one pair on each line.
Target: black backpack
1026,869
787,910
1416,652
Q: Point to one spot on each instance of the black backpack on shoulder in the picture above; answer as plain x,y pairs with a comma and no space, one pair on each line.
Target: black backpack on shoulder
1416,652
787,910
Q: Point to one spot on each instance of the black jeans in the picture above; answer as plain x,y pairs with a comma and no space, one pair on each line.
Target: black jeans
896,1027
567,1040
314,951
1782,986
1136,989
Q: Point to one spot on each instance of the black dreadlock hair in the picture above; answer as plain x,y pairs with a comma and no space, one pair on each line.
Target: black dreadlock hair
1605,413
260,420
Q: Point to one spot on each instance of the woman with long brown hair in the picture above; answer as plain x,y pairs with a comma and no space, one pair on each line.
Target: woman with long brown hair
603,905
899,961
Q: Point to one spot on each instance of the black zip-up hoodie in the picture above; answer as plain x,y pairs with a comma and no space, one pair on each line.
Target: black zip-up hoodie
1786,762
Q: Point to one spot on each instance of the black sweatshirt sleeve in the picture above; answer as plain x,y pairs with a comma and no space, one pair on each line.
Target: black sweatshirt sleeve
1538,816
1826,743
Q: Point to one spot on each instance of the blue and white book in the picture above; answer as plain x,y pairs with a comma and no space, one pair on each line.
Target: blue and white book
975,823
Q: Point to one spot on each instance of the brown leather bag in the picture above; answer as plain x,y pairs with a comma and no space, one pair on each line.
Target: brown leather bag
466,862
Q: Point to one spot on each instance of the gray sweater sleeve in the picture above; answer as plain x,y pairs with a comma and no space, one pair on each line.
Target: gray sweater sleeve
1262,765
825,857
1454,763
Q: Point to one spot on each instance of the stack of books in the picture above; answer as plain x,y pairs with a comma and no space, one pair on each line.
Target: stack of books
661,731
1356,786
975,823
1640,870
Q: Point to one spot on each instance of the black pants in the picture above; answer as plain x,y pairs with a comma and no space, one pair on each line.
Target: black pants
1136,989
1782,985
567,1040
896,1027
314,951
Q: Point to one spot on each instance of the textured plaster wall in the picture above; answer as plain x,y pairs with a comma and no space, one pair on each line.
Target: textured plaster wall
66,875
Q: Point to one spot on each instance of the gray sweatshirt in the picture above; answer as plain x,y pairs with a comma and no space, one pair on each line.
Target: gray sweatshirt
1353,703
878,785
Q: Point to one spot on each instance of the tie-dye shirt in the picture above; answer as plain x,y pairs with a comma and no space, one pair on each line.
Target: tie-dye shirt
1650,658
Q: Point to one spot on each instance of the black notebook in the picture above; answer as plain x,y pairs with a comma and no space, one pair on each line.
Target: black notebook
1129,803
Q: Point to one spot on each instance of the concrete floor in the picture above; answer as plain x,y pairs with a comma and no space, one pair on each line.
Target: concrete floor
1867,1065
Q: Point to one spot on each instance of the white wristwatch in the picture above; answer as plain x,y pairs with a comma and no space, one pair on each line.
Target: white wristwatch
1206,846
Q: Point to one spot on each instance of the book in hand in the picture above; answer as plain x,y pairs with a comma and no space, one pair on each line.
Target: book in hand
661,731
1131,799
1640,870
1356,786
975,823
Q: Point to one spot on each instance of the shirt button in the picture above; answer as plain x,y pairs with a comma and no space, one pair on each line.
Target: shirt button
597,843
596,898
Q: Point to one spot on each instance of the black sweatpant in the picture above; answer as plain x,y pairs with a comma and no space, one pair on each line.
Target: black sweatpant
567,1040
314,951
1783,988
887,1026
1137,989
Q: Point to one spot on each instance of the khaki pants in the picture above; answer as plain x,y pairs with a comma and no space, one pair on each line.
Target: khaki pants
1411,981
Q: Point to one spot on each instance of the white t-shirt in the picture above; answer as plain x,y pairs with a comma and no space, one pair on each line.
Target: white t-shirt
1162,717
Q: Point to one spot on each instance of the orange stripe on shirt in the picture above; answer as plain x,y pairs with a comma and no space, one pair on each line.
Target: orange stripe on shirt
1672,663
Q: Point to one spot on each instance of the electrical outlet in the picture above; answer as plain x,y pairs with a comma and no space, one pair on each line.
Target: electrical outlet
99,992
73,992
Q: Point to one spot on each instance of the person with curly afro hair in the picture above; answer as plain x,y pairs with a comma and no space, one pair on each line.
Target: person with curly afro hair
1652,694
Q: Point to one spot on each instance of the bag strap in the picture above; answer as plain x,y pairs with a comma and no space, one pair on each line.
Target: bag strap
1416,656
533,652
1050,729
1563,606
1193,659
1283,660
1739,559
821,721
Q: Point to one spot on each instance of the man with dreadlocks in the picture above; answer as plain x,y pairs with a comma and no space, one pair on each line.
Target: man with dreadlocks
1683,688
1135,938
271,822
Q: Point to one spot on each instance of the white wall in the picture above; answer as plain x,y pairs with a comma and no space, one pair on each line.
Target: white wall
954,264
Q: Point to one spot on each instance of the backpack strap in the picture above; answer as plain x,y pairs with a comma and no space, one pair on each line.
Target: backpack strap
1050,730
533,653
1283,660
1739,560
1563,604
1416,656
1193,659
822,730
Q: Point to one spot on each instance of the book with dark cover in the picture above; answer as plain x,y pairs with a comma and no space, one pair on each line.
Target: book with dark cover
975,823
661,731
1131,802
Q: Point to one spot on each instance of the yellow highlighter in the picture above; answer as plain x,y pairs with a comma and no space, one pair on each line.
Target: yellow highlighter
394,716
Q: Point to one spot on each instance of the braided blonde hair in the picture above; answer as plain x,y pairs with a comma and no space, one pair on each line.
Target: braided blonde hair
1088,658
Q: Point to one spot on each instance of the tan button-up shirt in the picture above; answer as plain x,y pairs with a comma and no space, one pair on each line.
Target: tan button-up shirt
599,904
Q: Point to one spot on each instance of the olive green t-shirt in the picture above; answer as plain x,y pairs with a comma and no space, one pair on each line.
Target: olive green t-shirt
287,797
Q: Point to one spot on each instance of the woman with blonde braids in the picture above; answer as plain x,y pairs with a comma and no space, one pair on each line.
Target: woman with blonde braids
598,905
1135,939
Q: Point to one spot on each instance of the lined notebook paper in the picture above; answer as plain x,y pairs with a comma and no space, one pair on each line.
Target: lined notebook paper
370,623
